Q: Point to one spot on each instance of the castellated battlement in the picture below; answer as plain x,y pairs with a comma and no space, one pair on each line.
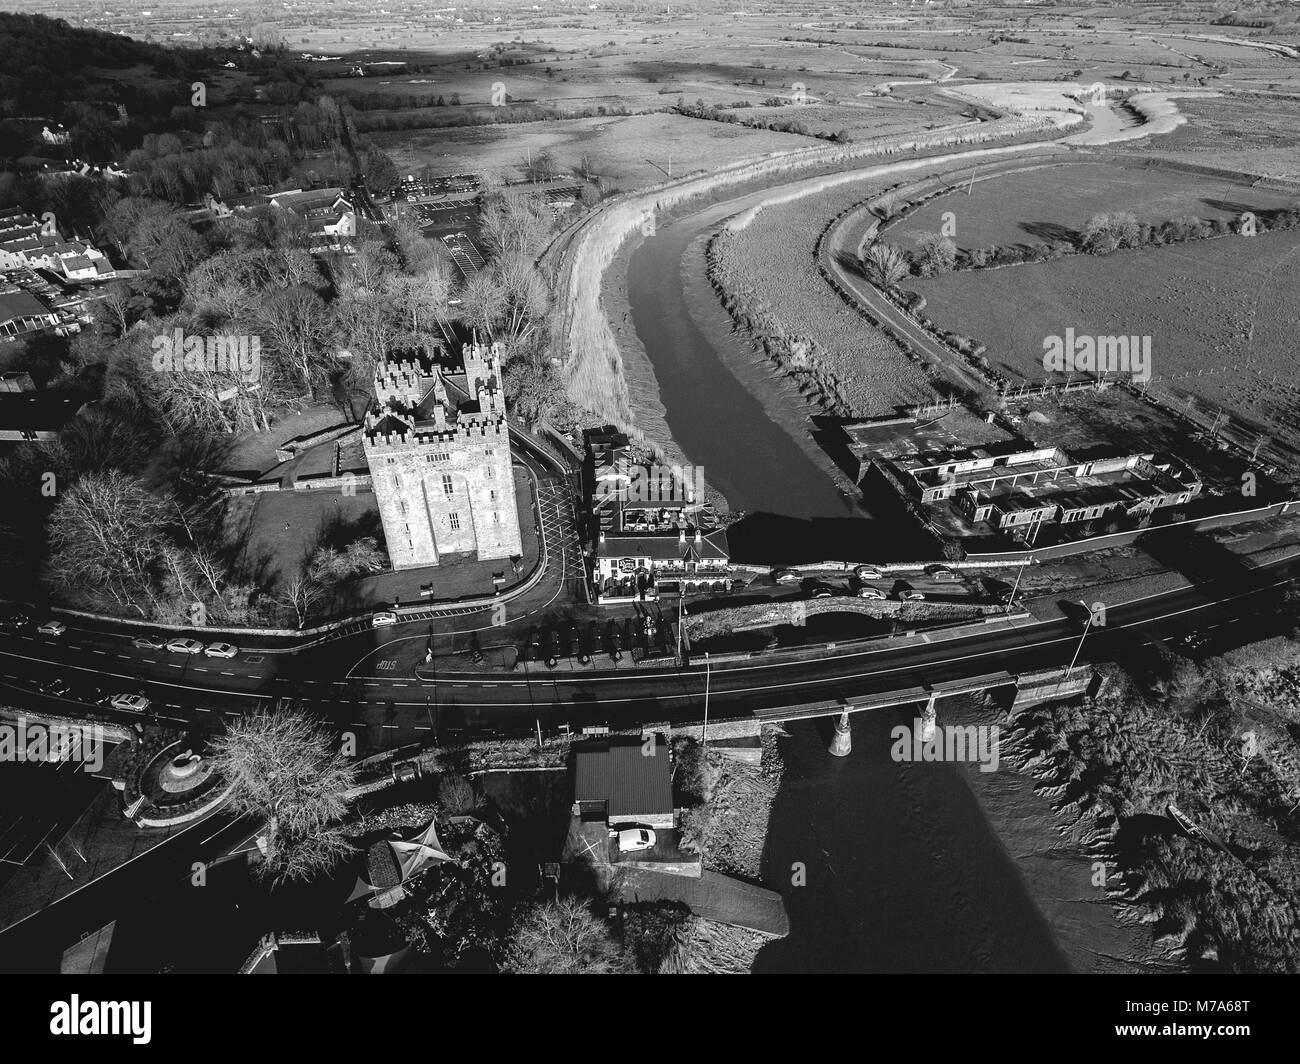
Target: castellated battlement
446,485
406,376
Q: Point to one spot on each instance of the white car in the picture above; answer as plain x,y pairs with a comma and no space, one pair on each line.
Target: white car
52,628
184,646
630,840
869,592
382,620
221,650
148,642
134,703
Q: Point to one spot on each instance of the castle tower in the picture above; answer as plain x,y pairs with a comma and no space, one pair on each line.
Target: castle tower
438,446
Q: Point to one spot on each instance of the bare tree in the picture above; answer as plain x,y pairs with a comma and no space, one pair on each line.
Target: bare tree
564,937
515,224
886,265
300,594
295,324
105,534
484,302
285,768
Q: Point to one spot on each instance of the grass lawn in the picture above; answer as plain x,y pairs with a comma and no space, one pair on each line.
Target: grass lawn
1054,202
1222,307
277,531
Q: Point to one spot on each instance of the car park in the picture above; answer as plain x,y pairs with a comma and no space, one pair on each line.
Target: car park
149,642
632,840
221,650
131,703
52,628
180,645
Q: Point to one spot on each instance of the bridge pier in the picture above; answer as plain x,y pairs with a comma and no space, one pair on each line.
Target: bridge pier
842,741
928,719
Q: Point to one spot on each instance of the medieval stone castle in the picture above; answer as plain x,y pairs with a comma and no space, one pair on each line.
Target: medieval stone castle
439,453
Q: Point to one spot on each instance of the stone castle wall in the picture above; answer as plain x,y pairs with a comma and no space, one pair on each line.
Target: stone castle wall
446,492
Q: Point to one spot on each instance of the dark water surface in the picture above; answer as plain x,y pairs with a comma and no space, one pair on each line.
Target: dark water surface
904,872
719,422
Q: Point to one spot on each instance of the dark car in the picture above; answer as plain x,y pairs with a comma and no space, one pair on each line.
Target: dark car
56,688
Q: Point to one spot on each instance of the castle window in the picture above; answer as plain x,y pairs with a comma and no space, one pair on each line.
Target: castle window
488,451
439,456
496,517
391,461
402,504
492,495
448,485
455,522
491,471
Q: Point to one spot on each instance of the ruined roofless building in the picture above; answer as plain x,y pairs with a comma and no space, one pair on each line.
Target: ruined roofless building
439,453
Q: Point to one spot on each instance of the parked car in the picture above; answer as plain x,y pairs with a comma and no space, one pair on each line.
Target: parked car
869,592
133,703
785,576
630,840
221,650
14,619
180,645
383,619
821,592
56,688
149,642
911,595
940,572
52,628
867,572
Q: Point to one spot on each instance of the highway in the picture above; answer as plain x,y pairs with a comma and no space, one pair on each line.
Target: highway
387,707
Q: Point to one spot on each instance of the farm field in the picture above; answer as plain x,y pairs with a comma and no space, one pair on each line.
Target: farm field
1054,202
630,152
1223,308
1256,134
773,267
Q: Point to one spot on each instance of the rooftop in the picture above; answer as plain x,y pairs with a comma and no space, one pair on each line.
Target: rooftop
621,773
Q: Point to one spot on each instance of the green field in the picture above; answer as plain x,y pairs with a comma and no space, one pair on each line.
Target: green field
1053,203
1223,308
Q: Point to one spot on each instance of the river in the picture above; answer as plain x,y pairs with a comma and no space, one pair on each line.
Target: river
723,405
905,867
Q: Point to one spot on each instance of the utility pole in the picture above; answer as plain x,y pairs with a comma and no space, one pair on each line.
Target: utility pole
704,735
1077,649
1012,600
